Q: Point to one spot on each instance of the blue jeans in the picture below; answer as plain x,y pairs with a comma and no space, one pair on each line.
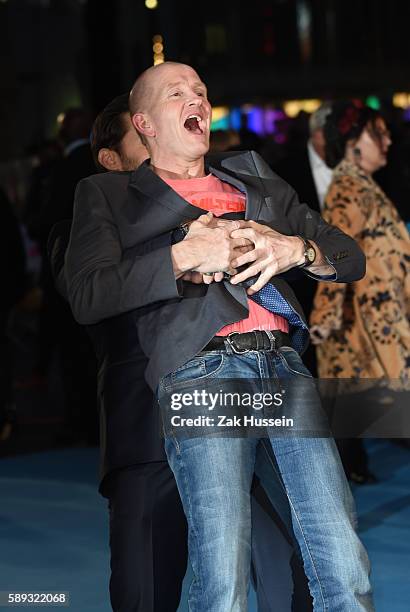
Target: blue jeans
214,475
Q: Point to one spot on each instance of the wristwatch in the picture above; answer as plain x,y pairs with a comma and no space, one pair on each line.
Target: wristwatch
309,253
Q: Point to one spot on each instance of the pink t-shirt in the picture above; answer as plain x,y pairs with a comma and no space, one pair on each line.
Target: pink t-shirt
216,196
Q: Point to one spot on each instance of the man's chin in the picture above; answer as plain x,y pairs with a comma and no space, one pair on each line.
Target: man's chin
199,148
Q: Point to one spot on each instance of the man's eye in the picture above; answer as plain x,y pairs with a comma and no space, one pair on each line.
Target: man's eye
176,93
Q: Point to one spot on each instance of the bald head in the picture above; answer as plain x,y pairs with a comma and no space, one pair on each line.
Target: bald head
142,91
170,110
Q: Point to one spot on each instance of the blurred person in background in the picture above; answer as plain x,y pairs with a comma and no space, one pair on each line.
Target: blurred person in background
306,170
13,286
361,330
57,329
76,163
147,524
45,157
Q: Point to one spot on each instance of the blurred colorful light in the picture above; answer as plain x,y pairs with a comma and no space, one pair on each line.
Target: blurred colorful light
401,100
158,49
271,116
373,102
254,118
235,118
220,118
293,107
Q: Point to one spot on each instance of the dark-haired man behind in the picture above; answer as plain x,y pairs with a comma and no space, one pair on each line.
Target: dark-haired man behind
115,144
147,523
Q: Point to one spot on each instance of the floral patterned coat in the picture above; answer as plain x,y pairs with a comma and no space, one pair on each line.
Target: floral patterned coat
370,317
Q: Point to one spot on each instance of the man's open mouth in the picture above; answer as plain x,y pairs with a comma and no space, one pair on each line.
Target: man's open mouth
192,124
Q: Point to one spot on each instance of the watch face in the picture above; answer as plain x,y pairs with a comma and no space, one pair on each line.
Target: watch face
311,254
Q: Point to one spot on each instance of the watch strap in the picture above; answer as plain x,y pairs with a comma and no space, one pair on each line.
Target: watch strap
307,246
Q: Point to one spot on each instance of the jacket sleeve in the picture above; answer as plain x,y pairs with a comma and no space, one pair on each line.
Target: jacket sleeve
103,281
340,250
57,244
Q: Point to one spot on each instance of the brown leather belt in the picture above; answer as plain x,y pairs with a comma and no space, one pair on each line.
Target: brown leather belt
258,340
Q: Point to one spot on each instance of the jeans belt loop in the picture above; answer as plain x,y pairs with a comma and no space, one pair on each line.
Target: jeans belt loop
272,340
234,349
228,345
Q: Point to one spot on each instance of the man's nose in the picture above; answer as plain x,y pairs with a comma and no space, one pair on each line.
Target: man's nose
195,100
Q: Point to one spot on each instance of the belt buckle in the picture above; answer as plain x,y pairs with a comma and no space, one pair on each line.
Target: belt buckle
234,349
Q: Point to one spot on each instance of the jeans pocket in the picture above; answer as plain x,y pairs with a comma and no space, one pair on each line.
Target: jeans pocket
196,369
292,362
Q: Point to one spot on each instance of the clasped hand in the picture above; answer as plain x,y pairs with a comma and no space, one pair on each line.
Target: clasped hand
272,253
218,248
237,243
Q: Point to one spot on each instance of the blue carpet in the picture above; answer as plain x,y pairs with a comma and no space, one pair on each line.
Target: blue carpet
384,525
54,527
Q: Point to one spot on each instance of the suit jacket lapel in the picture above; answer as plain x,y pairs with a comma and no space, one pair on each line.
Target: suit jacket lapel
152,207
161,209
253,198
148,183
253,206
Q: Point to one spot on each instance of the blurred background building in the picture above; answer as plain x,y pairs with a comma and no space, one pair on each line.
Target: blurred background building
260,59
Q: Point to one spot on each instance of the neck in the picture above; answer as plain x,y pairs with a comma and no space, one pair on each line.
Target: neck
178,169
358,161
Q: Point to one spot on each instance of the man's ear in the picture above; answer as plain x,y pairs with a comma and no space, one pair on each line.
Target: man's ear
109,159
142,124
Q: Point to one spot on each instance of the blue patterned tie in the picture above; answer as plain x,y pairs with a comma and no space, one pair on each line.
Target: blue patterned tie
271,299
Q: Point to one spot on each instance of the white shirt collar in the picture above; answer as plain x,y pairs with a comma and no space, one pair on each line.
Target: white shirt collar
315,160
322,174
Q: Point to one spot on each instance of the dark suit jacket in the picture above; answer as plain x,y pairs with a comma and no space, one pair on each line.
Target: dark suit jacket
295,170
114,263
129,420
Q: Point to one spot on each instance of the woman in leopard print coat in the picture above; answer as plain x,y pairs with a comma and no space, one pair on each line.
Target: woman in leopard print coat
362,329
